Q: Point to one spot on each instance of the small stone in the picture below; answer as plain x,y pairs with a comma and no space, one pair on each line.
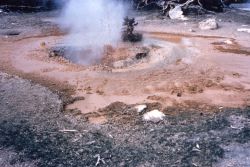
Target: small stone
191,30
247,30
52,54
42,44
229,42
118,64
100,92
57,52
209,24
179,94
139,56
154,116
141,108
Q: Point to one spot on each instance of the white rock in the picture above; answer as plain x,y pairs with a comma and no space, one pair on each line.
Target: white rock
209,24
141,108
191,30
177,13
229,42
118,64
154,116
244,30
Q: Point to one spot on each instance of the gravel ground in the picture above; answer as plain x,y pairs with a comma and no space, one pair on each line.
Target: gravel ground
36,132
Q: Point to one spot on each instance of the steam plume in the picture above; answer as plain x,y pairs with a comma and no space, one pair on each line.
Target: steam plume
92,25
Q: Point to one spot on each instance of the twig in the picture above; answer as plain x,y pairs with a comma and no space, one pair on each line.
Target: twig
68,130
21,6
99,160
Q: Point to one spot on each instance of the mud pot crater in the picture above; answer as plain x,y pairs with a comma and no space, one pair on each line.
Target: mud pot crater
150,53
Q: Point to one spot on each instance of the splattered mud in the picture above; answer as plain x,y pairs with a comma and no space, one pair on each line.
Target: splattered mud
232,47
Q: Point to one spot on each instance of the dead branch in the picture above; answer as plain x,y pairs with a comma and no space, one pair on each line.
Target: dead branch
68,130
99,160
21,7
166,5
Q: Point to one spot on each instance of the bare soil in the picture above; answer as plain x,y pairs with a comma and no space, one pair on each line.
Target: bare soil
57,113
34,129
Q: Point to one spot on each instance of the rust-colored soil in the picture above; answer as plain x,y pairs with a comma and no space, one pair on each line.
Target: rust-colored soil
179,68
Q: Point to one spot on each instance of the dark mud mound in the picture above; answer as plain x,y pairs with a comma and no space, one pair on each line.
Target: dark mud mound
75,54
32,124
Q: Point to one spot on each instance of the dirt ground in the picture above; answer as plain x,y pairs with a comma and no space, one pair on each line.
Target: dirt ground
198,65
57,113
35,132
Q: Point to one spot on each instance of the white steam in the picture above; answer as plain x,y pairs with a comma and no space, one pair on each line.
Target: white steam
92,25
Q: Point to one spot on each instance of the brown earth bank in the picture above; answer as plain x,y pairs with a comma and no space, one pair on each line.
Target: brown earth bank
199,79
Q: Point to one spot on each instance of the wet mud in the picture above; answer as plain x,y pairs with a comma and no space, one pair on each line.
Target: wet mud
63,114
